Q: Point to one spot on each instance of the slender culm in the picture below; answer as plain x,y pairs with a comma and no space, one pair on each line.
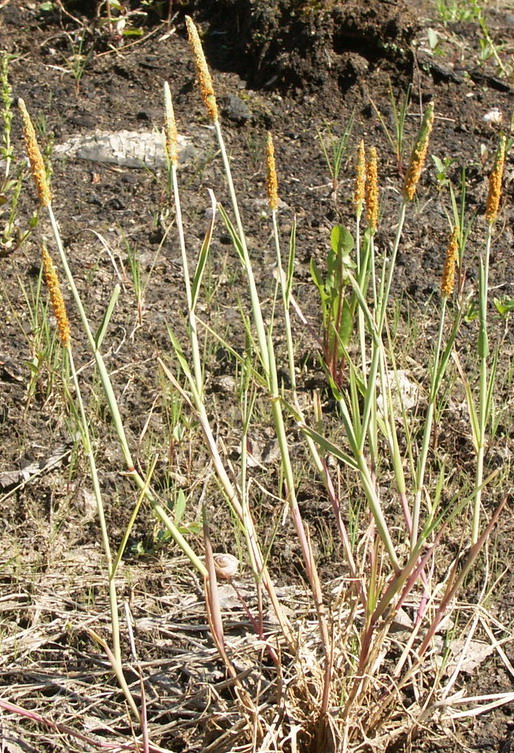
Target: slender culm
37,166
170,127
56,299
204,77
360,179
271,174
495,183
371,188
448,276
419,154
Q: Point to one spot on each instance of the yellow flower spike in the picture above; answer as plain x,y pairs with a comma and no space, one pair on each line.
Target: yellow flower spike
204,77
37,165
56,299
371,189
448,276
272,182
495,183
170,127
360,179
419,153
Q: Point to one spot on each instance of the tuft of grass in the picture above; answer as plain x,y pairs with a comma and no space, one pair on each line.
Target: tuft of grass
11,235
334,148
342,671
396,134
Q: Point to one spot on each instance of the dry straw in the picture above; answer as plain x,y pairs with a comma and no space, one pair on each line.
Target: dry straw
56,299
360,179
495,183
372,188
448,276
204,77
419,153
37,165
272,182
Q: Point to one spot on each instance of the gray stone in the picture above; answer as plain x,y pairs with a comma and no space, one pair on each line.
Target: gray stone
124,148
236,109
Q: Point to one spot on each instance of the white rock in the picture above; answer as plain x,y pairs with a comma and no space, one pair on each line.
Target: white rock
494,116
124,148
405,392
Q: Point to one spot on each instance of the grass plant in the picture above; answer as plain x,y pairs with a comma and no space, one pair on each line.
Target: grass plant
337,676
11,235
334,150
396,134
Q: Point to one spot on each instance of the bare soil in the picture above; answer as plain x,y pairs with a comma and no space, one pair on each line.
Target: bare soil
300,70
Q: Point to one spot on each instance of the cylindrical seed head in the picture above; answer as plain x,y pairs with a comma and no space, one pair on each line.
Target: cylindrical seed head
204,77
448,276
37,165
170,127
419,153
272,182
56,299
372,189
495,183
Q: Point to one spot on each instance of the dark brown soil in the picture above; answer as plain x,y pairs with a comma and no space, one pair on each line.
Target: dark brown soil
299,69
284,44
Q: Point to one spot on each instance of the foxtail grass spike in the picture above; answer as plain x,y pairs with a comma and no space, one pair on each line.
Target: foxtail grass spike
495,183
204,77
372,189
37,165
170,127
272,182
360,179
448,276
419,153
56,299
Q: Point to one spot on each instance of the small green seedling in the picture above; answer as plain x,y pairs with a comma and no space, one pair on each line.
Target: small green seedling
505,306
442,167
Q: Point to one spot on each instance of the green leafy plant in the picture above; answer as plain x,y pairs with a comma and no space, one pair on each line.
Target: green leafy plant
452,11
336,299
442,167
504,306
433,41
